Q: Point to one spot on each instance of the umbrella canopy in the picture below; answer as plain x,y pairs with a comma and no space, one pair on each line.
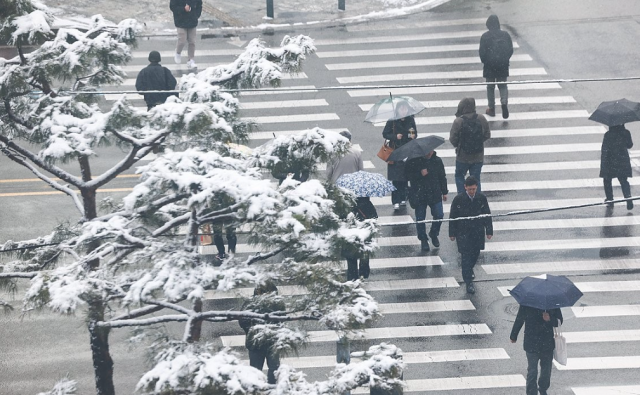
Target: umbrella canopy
416,148
546,292
387,109
617,112
365,184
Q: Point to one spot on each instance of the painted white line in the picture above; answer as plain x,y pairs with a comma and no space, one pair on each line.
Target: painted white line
299,76
385,333
510,205
446,89
542,166
168,55
393,38
606,311
602,336
283,104
396,25
560,244
483,102
366,163
294,118
565,223
426,307
445,75
613,390
595,286
518,116
417,49
537,132
552,184
278,133
411,261
280,91
601,363
460,383
417,63
563,266
135,68
530,149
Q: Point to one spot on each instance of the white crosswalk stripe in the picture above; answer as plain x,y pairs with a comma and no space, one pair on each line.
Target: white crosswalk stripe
612,390
426,24
419,49
392,39
483,102
423,90
416,63
397,77
460,383
595,286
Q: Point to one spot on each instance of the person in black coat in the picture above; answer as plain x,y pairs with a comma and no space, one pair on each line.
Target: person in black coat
185,18
399,132
469,233
364,209
538,344
615,162
495,51
428,188
155,77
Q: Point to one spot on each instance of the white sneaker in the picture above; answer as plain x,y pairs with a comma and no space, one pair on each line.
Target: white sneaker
191,64
396,207
178,58
403,203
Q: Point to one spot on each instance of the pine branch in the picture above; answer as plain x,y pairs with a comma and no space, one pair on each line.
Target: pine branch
183,219
13,117
131,158
138,313
261,257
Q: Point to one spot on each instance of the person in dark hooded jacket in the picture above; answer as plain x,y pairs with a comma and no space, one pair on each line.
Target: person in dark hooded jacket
155,77
615,162
185,18
496,49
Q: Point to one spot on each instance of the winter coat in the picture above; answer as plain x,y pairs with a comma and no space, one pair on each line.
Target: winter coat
364,209
426,190
498,70
247,323
351,162
395,171
469,233
538,333
155,77
182,18
467,109
614,158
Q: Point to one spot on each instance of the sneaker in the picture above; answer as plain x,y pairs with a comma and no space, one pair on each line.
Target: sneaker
505,111
424,245
629,204
491,112
403,203
396,207
471,289
434,240
609,203
191,64
178,58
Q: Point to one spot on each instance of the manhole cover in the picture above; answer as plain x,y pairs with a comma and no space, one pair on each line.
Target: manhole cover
511,308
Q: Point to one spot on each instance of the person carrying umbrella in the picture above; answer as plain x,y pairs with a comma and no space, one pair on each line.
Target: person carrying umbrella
399,132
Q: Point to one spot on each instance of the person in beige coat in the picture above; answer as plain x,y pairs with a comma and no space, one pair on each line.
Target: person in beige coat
468,134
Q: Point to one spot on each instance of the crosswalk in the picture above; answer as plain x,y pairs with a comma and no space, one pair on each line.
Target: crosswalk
545,155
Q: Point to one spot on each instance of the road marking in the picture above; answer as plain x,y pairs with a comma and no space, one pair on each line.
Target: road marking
283,104
444,75
510,205
483,102
385,333
396,25
460,383
446,89
600,363
405,37
518,116
606,311
366,163
612,390
18,180
135,68
278,133
530,149
279,91
417,63
17,194
297,76
602,336
294,118
562,266
426,307
201,53
540,166
560,244
566,223
590,287
419,49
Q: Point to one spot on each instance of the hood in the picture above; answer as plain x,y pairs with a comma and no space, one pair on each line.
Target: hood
493,23
466,106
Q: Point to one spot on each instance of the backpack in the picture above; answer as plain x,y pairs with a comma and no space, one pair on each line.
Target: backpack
471,135
499,50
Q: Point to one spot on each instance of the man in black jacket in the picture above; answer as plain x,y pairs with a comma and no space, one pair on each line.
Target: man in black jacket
538,344
469,233
428,188
185,17
155,77
496,49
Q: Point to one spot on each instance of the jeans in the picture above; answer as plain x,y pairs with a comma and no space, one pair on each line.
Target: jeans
608,188
400,194
474,170
257,358
187,36
232,239
468,260
421,214
491,92
353,273
545,358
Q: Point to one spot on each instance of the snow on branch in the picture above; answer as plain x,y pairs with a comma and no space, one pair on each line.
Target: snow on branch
62,387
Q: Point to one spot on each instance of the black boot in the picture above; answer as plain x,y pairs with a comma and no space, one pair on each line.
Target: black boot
505,111
424,245
470,288
629,204
434,240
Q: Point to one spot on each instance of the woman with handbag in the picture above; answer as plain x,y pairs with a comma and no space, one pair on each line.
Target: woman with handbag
399,132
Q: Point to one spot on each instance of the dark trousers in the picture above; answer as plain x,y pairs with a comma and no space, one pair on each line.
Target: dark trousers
468,261
491,92
257,358
400,194
421,214
232,239
545,358
608,188
474,170
353,273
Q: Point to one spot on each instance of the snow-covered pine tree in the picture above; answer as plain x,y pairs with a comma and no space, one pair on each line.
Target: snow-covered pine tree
136,263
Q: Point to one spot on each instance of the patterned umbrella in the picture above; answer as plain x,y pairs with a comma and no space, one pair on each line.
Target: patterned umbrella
365,184
387,109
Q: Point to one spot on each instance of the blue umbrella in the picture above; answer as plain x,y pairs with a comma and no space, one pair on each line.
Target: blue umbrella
365,184
546,292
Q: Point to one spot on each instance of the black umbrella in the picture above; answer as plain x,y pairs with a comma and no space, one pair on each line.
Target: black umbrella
416,148
617,112
546,292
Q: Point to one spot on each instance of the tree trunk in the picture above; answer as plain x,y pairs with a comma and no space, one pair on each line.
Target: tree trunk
102,362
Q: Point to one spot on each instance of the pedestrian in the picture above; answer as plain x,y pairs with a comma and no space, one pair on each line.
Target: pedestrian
469,233
399,132
351,162
232,240
495,51
364,209
280,172
259,352
538,344
155,77
615,162
185,18
468,134
428,188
